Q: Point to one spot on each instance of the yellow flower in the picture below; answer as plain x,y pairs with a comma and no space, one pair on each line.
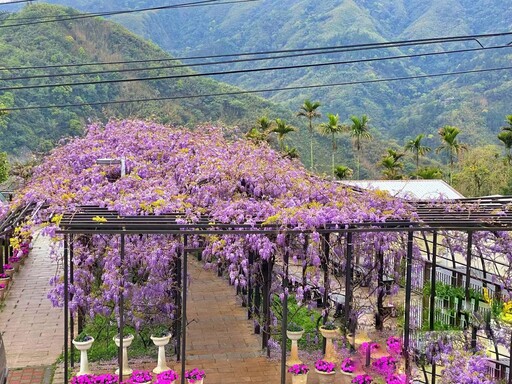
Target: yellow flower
99,219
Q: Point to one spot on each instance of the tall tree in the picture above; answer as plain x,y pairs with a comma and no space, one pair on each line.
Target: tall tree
360,131
418,149
430,173
282,129
450,145
392,165
309,111
332,128
505,137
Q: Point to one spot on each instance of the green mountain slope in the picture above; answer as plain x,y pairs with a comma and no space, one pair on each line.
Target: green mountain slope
393,106
97,40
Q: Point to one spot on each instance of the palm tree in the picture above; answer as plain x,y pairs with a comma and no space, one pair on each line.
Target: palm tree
392,164
429,173
450,144
343,172
359,130
260,131
415,146
282,129
505,137
309,111
332,128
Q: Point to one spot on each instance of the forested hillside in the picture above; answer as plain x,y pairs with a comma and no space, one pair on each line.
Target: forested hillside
89,41
400,109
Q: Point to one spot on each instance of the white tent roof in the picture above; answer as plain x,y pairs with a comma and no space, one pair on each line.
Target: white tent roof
411,189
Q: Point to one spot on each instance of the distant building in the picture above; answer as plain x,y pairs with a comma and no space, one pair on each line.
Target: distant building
409,189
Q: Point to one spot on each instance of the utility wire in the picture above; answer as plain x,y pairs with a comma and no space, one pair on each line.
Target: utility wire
143,69
197,74
101,14
342,48
258,90
17,2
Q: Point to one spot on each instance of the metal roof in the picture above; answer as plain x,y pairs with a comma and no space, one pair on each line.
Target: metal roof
409,189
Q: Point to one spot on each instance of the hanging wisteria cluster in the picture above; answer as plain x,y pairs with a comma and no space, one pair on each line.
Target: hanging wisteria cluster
196,173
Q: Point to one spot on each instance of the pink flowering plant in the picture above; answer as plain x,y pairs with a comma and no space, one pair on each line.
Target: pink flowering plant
396,379
348,365
4,276
394,345
2,286
106,378
166,377
362,379
298,369
364,347
8,266
139,376
325,366
194,375
385,365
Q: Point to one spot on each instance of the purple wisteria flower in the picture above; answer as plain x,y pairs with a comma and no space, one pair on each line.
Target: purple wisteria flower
298,369
325,366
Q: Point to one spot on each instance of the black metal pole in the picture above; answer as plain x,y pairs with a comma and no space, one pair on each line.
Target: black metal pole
469,255
184,312
66,310
433,295
348,279
179,311
510,363
71,317
408,303
249,286
121,311
325,267
379,324
284,324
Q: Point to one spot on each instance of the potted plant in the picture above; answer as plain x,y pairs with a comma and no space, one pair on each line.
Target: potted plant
326,371
4,279
385,365
2,291
167,377
294,332
299,373
106,378
127,341
140,377
347,368
161,338
14,261
83,343
8,270
329,331
195,376
362,379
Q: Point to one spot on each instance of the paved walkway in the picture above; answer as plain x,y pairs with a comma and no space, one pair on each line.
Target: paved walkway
32,329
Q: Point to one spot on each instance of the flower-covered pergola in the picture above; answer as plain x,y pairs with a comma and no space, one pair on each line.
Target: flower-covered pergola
253,213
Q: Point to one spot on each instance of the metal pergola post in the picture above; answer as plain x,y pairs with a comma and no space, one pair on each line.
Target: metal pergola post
433,296
66,310
121,310
348,281
407,314
184,312
284,323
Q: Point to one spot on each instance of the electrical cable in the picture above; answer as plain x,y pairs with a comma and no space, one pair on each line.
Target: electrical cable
258,90
79,16
342,48
17,2
189,75
142,69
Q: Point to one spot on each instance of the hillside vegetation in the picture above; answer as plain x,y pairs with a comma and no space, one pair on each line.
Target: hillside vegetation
96,40
400,110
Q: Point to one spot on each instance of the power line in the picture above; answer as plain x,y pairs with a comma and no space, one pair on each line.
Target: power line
17,2
213,73
259,90
112,13
125,70
342,48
